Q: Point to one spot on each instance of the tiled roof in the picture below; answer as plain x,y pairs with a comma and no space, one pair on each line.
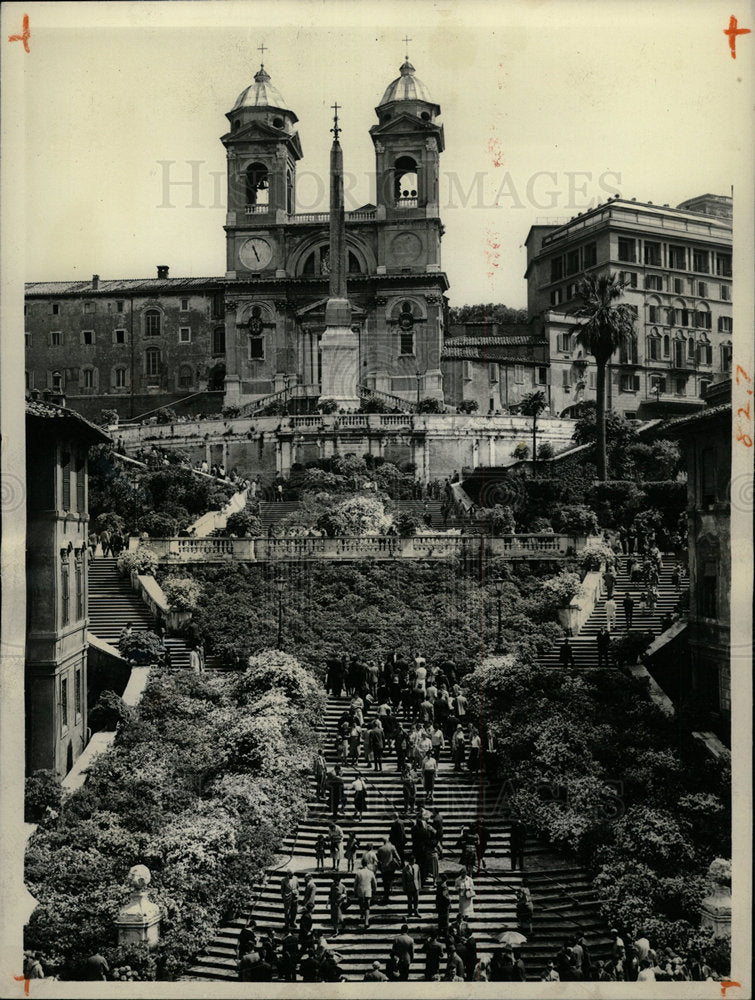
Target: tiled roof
117,285
707,413
42,410
508,340
451,352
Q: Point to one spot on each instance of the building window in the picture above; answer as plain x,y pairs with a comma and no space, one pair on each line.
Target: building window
519,374
152,323
654,314
726,293
652,255
65,468
87,338
257,186
726,357
119,306
119,336
64,703
628,351
678,286
666,346
725,324
542,375
677,258
630,383
493,373
119,378
702,289
65,608
405,182
686,315
184,305
691,349
590,254
77,692
467,371
658,384
556,297
654,349
29,379
89,307
705,354
702,319
27,340
704,383
572,262
56,338
217,307
700,261
218,341
185,377
681,386
55,308
407,342
87,378
723,265
184,335
593,380
79,585
557,269
565,379
628,278
626,250
708,596
256,348
654,282
152,362
563,342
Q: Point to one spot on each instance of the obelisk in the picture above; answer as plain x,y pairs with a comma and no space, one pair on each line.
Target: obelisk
339,345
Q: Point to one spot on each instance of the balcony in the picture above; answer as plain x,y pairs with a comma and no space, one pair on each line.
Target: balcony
307,218
256,209
406,203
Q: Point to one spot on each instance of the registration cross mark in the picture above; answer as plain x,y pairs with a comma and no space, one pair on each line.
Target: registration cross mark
732,31
25,34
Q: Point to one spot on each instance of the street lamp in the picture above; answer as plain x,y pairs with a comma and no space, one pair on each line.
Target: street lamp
499,596
280,587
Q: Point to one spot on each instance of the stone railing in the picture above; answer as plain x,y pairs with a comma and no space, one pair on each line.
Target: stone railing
383,547
153,596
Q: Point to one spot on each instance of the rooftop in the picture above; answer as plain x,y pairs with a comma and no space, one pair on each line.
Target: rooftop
39,409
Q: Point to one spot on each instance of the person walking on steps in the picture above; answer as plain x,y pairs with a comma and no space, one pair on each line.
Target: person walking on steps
365,888
411,881
610,607
603,640
518,844
566,654
628,604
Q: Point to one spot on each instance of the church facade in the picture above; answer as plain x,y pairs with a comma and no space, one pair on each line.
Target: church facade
255,332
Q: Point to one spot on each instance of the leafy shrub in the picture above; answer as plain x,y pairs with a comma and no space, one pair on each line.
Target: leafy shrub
574,519
541,526
374,404
110,521
141,647
142,560
42,796
430,405
629,647
276,408
158,525
166,415
243,523
109,712
545,450
468,406
408,524
183,592
616,502
230,412
108,417
593,558
500,520
327,406
563,588
521,451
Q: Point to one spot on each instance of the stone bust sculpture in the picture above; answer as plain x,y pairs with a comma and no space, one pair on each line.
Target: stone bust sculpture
139,877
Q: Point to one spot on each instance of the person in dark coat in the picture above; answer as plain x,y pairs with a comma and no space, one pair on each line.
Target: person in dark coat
603,639
433,954
628,603
518,843
397,835
566,654
335,792
442,905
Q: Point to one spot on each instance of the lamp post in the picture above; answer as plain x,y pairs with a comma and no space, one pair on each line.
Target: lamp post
499,639
280,587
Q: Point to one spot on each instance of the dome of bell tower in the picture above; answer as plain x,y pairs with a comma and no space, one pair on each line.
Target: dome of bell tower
407,87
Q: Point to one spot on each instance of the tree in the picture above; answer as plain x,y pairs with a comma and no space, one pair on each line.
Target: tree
604,327
532,405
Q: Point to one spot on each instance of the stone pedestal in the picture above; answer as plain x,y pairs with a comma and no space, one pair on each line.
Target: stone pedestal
139,921
340,367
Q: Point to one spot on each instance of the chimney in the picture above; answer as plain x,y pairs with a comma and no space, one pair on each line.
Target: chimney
95,282
162,271
34,395
57,389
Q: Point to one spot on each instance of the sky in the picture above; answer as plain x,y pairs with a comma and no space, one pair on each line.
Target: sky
548,108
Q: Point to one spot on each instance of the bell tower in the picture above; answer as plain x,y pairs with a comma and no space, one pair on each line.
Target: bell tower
262,150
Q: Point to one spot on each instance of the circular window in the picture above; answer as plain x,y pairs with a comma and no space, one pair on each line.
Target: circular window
278,122
384,119
425,116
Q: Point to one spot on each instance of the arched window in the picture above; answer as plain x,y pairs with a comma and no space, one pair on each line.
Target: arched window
666,346
152,365
405,190
185,377
119,377
88,379
152,323
406,329
256,335
679,353
654,345
318,262
257,186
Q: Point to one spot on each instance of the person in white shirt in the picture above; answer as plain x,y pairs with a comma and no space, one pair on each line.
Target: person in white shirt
646,974
610,607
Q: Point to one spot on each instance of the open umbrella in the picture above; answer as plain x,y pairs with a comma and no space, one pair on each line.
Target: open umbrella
514,938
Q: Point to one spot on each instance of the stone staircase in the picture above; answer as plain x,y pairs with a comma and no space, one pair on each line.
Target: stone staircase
585,646
565,903
112,603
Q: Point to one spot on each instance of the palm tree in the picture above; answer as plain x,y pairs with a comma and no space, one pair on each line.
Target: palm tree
532,405
605,325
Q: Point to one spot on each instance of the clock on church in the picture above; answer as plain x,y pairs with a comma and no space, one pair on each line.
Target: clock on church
255,254
406,248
